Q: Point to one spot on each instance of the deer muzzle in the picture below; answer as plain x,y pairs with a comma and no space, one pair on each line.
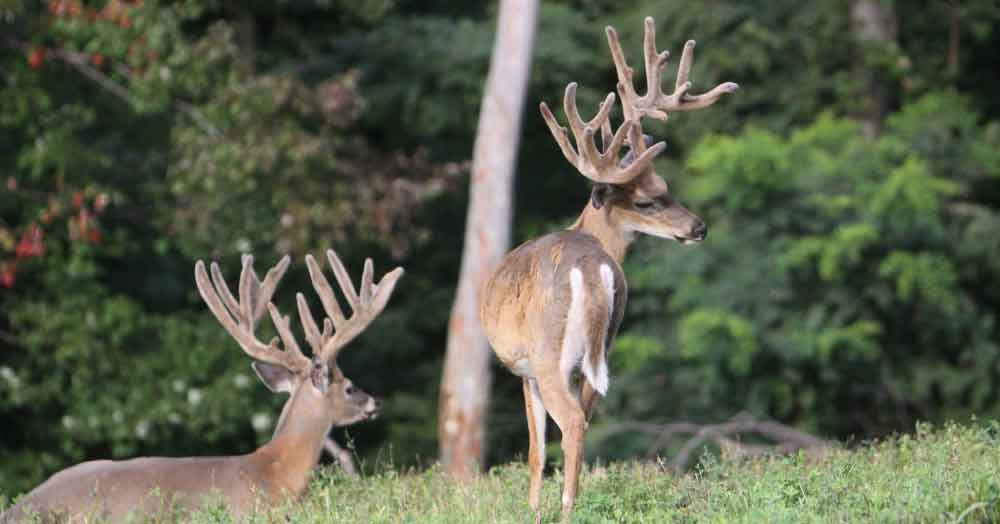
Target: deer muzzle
373,408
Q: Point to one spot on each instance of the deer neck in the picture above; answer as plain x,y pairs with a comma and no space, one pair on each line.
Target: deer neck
597,222
294,450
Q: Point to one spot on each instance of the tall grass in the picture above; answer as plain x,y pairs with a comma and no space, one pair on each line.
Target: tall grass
949,475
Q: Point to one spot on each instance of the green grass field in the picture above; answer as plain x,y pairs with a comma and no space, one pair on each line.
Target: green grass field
951,474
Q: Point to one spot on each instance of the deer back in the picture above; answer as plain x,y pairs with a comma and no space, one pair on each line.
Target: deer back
113,490
526,301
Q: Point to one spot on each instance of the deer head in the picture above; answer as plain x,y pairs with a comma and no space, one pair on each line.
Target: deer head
633,198
316,385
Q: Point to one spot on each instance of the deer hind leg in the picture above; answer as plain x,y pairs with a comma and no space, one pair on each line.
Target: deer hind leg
566,411
560,402
588,399
582,345
536,431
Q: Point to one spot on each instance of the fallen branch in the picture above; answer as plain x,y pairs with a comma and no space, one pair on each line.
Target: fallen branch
786,439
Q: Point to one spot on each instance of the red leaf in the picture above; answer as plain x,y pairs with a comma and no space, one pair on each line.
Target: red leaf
30,244
35,57
7,272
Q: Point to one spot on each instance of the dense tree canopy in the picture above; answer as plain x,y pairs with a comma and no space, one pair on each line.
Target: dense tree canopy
847,284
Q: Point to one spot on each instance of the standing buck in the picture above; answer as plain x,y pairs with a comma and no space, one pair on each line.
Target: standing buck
320,396
555,303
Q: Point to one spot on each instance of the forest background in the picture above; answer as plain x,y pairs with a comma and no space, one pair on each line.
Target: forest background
852,188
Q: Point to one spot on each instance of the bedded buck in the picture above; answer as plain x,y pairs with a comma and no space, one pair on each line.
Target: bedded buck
320,396
555,303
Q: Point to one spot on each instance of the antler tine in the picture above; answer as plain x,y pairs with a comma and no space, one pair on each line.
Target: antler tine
246,291
211,296
626,89
344,280
654,60
327,330
367,287
281,324
576,123
559,133
265,290
237,317
681,100
684,67
227,298
640,164
601,120
313,336
325,292
384,289
254,295
606,135
254,283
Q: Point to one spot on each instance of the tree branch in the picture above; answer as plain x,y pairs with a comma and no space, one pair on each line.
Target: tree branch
80,62
11,339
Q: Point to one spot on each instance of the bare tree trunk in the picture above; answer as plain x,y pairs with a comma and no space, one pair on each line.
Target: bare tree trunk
954,37
245,25
873,23
465,385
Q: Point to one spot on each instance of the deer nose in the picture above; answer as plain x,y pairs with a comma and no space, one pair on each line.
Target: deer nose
700,231
378,403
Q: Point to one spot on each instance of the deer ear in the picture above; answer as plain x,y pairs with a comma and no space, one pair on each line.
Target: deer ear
599,195
277,378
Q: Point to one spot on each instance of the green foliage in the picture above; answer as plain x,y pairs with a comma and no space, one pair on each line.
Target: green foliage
703,331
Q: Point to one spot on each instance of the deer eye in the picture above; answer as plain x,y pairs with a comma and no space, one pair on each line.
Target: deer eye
349,390
644,204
